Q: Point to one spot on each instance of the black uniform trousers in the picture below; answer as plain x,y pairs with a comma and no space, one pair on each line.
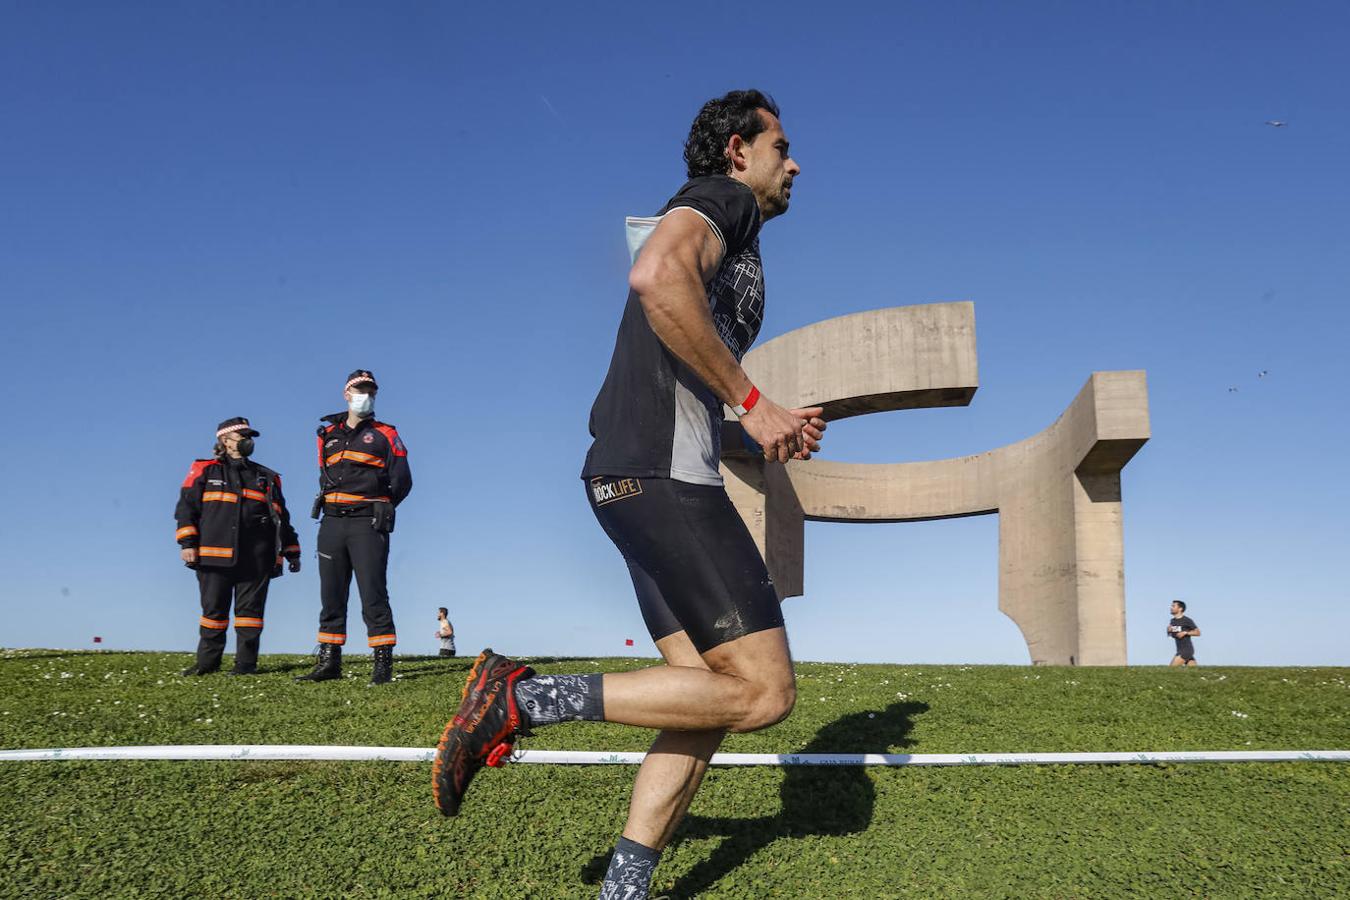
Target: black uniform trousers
245,582
347,544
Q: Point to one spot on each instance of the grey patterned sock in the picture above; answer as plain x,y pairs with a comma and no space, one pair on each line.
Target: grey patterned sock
630,871
550,699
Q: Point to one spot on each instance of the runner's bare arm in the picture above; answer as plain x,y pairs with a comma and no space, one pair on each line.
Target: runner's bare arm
677,260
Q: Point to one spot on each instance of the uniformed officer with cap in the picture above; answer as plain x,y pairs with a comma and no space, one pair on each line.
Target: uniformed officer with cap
234,529
363,476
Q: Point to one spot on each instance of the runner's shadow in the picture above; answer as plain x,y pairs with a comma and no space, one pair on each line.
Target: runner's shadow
816,800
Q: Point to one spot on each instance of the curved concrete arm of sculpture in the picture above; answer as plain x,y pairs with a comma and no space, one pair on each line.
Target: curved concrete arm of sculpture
1101,430
904,357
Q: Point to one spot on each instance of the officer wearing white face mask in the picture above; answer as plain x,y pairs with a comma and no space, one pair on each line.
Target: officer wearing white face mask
363,476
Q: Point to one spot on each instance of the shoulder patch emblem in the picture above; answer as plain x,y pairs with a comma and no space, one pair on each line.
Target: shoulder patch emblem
367,438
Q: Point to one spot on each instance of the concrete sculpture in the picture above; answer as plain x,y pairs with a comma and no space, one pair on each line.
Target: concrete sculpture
1057,493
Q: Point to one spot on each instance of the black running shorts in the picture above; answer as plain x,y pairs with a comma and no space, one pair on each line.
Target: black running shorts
693,563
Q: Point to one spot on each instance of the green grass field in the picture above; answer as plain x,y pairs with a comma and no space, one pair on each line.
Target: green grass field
325,829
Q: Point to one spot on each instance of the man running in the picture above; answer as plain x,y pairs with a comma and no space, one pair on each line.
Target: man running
1181,629
694,307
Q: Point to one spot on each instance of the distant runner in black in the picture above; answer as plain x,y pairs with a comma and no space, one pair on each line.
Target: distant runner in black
695,305
1182,628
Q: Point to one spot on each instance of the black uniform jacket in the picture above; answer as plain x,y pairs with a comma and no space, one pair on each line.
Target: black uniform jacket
360,465
215,501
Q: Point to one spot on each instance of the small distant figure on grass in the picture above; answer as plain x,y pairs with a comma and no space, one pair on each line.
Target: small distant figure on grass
445,631
1181,629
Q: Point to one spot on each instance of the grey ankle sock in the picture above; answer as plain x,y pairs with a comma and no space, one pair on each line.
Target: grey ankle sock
549,699
630,871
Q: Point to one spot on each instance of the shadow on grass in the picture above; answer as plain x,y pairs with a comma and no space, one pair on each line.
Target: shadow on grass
282,668
404,666
816,800
21,654
455,667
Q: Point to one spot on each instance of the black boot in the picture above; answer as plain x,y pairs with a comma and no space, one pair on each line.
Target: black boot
246,652
209,651
328,666
383,672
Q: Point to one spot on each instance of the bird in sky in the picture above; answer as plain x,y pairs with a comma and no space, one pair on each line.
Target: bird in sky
1232,390
1276,123
1263,373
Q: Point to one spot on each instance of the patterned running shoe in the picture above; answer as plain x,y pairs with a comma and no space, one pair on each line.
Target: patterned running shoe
482,732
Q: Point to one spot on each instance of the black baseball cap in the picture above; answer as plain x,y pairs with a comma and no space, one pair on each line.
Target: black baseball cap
361,376
238,423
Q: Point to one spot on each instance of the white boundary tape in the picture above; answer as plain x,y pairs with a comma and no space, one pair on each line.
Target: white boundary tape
588,758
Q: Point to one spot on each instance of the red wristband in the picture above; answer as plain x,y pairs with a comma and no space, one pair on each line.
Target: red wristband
748,403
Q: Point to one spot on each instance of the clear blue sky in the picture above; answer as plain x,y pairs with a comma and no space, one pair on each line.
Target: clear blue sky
220,209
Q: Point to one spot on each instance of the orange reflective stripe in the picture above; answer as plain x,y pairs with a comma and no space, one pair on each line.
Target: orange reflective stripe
326,638
215,624
368,459
293,548
245,622
337,497
254,495
222,496
382,640
221,552
276,507
185,531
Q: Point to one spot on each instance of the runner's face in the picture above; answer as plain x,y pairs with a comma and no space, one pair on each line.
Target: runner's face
1176,610
769,170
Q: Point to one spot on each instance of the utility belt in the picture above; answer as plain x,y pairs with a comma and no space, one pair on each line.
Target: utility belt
379,509
347,512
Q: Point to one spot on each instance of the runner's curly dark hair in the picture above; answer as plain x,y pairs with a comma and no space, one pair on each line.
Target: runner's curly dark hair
736,113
